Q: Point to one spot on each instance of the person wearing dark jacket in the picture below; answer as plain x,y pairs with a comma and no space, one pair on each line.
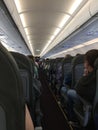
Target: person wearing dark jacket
86,86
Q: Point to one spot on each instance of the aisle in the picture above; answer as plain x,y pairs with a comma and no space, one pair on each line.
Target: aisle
53,118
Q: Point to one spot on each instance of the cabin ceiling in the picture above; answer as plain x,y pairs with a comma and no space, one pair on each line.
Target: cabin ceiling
42,20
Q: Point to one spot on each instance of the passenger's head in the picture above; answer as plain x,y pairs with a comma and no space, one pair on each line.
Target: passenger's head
89,59
67,55
31,57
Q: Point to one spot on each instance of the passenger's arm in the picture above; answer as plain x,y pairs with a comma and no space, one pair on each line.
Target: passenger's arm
28,120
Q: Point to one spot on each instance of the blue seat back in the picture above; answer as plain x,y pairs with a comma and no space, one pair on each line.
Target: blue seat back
77,69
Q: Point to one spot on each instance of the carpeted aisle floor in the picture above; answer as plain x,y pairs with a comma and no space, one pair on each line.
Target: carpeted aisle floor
53,118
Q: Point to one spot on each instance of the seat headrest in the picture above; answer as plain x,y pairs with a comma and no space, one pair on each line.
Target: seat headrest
22,60
12,105
78,59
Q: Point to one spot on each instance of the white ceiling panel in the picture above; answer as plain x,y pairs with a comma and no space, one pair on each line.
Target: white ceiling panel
43,20
46,5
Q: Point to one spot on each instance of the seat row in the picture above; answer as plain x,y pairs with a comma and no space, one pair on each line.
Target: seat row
70,69
18,87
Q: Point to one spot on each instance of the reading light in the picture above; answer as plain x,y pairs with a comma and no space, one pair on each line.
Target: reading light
30,42
75,6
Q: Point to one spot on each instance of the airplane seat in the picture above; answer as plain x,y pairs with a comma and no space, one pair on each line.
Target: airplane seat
38,91
58,82
25,68
53,76
77,73
51,73
77,68
47,70
12,103
31,90
84,109
66,69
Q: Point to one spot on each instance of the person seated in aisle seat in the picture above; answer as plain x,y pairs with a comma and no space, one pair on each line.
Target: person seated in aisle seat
35,65
67,83
86,86
28,120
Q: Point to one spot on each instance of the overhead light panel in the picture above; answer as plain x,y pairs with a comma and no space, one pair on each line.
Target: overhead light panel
26,31
18,5
23,20
28,37
75,6
63,22
57,31
45,47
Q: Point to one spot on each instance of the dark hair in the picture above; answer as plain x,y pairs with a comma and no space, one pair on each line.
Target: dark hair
31,57
91,56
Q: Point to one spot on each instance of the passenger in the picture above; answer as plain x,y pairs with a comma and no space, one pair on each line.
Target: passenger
67,83
87,84
29,123
35,67
86,87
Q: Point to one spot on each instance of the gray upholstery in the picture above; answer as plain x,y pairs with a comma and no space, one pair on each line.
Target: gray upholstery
31,86
2,119
67,67
83,108
12,105
26,69
83,111
25,81
77,68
